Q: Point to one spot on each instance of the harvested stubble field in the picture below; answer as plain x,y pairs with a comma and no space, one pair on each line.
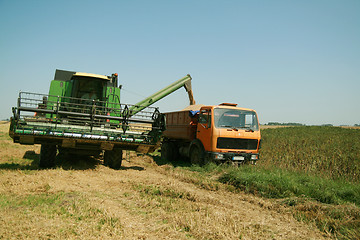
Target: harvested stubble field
145,199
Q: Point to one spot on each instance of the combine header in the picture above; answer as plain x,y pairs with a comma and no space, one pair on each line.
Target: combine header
83,114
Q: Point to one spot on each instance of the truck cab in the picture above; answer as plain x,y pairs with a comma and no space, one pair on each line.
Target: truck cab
228,133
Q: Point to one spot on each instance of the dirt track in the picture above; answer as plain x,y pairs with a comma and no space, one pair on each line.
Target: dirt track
150,201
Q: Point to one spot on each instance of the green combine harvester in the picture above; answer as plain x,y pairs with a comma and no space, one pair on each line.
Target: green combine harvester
83,114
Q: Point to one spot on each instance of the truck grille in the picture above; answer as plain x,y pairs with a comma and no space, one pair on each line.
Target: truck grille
236,143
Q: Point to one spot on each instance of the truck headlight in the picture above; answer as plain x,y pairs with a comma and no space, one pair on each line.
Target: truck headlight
254,157
218,156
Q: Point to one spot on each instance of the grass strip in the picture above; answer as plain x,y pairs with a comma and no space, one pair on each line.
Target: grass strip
278,183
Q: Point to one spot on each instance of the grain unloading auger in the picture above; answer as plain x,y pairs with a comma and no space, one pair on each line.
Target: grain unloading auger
183,82
83,114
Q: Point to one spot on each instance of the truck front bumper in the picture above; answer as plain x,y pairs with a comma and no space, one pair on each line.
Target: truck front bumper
233,157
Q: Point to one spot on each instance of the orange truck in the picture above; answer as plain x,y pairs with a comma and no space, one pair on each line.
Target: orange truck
220,133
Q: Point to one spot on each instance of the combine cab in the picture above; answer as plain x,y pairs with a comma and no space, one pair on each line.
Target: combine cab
82,114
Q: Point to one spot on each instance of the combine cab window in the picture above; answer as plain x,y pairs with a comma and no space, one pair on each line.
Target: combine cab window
233,118
88,88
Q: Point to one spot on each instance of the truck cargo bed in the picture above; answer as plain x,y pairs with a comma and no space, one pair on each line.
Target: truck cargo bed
180,125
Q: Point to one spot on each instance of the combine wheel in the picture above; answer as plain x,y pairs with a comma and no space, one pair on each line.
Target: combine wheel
47,156
113,158
196,155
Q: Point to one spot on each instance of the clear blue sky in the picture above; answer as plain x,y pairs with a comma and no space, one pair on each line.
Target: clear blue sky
292,61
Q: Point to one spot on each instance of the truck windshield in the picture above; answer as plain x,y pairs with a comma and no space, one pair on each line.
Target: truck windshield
235,118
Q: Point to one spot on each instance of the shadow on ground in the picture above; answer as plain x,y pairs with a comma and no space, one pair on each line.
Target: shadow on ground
64,161
29,155
180,162
76,162
137,168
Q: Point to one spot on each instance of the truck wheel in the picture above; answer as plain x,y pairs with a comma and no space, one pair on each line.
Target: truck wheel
113,159
169,152
47,156
196,156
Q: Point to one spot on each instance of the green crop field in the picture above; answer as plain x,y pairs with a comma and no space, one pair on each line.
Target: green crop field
332,152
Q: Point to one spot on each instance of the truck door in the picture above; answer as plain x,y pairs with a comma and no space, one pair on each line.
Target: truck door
204,133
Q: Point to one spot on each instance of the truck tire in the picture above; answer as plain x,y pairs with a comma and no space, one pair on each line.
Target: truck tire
47,156
196,155
169,151
113,158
